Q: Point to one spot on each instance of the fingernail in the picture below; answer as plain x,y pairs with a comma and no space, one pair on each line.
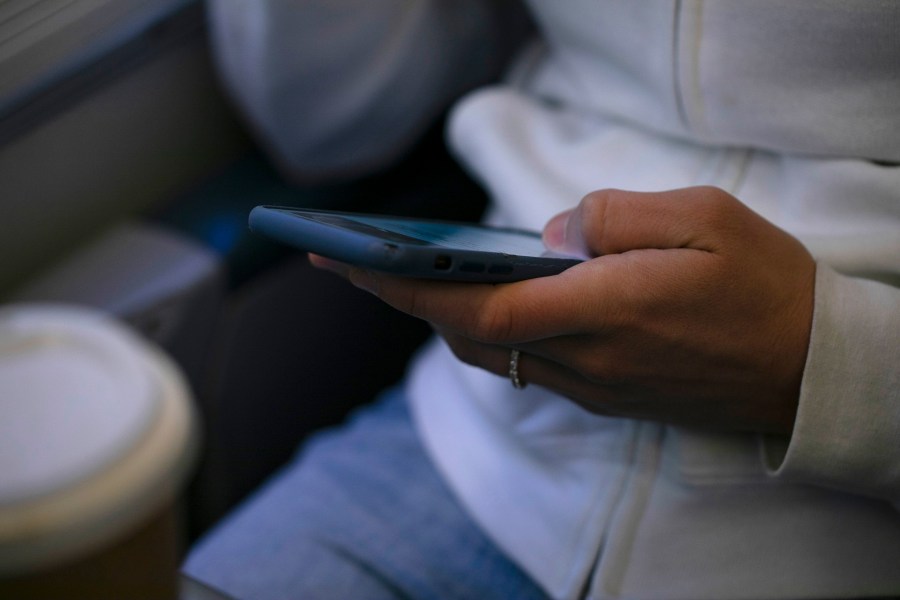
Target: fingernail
364,280
555,232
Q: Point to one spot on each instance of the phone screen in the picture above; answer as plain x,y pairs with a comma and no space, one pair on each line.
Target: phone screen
436,233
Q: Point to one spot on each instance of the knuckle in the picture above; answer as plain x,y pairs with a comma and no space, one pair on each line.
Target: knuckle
594,209
594,205
593,198
717,205
716,214
493,323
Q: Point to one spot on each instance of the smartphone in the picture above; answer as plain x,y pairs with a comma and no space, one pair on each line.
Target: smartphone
413,247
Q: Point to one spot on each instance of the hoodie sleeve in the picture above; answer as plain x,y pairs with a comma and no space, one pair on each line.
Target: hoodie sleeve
343,87
847,432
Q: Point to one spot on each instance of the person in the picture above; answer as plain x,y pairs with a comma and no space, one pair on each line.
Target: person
708,406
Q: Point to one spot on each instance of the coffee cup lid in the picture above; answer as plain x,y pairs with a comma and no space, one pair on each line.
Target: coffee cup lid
96,432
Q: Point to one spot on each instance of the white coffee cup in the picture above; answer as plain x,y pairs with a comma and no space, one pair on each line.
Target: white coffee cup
97,437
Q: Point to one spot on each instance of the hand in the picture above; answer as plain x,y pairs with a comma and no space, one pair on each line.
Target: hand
691,310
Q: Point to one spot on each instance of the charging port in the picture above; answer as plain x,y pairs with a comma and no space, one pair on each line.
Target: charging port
442,262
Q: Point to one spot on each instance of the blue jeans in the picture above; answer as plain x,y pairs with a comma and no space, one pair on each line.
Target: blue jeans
361,514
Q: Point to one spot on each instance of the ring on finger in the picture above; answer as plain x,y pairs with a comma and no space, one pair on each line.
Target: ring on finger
514,370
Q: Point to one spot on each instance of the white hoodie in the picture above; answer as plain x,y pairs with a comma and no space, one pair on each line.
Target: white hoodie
794,107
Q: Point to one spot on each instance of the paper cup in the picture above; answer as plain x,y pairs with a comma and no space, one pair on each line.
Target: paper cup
97,436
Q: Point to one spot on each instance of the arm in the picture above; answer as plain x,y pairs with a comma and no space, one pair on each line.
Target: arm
338,87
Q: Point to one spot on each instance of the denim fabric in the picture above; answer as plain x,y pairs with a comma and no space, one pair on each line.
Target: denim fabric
361,514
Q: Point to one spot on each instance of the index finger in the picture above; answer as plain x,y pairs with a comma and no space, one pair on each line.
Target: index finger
506,314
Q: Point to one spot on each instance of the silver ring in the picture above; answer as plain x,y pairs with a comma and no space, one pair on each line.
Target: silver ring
514,370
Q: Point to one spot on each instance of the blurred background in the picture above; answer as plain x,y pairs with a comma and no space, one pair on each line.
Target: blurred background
126,177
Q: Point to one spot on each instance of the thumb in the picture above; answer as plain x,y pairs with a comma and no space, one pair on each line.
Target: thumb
555,237
615,221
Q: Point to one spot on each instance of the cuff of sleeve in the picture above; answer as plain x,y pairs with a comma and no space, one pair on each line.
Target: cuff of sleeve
847,432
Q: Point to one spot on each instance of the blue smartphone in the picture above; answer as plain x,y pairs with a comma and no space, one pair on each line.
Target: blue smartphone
413,247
